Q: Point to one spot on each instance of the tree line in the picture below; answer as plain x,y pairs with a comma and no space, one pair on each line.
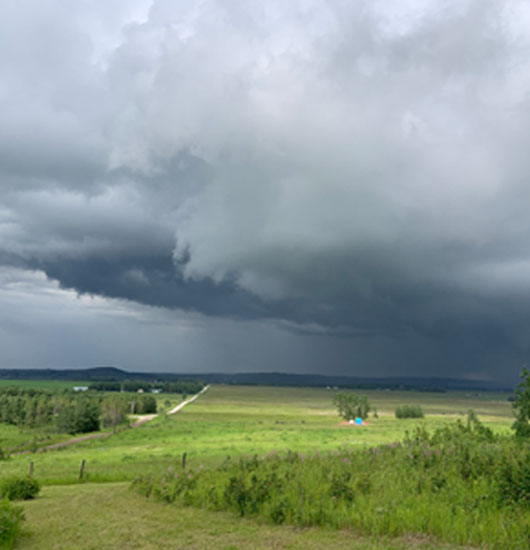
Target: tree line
69,412
185,387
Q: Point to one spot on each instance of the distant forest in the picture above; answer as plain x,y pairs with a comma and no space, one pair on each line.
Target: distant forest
185,387
113,374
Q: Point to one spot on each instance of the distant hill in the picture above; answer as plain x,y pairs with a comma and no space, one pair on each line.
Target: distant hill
258,378
92,374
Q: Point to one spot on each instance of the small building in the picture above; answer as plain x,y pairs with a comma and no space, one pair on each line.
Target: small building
80,388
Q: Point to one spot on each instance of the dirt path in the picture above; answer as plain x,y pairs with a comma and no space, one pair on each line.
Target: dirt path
190,400
140,421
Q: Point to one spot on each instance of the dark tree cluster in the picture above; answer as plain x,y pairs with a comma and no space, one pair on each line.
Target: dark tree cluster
143,404
63,411
409,411
186,387
350,405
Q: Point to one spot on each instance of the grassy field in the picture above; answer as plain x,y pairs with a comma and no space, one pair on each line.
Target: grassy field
247,420
226,421
13,438
112,517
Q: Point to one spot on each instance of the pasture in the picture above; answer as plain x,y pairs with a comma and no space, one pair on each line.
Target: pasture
226,421
247,420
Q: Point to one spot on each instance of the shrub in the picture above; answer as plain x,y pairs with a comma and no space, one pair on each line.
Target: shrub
409,411
19,488
10,519
521,406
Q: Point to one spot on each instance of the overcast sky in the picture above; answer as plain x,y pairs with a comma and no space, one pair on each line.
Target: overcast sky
330,187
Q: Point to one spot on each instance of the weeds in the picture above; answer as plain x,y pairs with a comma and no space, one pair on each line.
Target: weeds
461,483
10,519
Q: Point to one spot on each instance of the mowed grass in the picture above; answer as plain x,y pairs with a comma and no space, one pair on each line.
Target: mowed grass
247,420
112,517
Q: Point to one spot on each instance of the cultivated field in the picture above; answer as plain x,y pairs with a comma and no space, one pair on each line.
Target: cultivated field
226,421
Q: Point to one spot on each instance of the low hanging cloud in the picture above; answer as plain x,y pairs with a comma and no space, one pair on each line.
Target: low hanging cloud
356,169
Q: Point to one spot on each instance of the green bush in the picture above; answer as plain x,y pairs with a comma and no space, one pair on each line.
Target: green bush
521,406
19,488
409,411
10,519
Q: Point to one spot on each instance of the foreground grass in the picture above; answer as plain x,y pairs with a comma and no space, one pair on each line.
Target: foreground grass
247,420
461,484
111,517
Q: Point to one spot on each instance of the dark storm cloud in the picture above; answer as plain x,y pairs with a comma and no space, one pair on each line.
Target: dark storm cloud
356,170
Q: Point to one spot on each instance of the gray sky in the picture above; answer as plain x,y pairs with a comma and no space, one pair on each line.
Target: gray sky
305,186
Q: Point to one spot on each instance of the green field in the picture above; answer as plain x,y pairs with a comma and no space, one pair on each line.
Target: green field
247,420
225,421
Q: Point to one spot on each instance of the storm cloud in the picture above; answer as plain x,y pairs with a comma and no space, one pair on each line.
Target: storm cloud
348,178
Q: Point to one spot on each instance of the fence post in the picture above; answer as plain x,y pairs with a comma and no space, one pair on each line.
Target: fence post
82,469
31,468
184,459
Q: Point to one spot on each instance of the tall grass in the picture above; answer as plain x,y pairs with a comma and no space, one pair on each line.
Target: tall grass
461,483
10,519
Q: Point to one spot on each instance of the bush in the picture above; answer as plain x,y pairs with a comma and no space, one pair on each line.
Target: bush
10,519
521,406
409,411
19,488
